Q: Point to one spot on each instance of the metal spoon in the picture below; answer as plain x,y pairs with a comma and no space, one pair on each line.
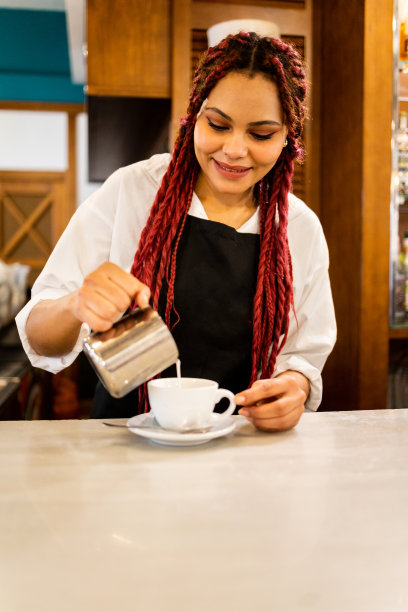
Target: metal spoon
128,426
155,424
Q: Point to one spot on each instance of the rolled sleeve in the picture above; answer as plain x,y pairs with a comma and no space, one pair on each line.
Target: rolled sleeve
50,364
312,333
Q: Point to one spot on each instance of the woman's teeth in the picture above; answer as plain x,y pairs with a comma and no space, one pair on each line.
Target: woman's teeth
232,170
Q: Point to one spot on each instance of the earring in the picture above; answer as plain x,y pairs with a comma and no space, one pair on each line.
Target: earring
285,144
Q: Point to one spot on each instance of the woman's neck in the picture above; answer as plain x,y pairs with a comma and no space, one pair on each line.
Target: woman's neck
228,208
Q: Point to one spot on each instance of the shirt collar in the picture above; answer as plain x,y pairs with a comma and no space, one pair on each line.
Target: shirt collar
249,227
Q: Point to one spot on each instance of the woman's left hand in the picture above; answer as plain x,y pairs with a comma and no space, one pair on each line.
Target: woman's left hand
275,404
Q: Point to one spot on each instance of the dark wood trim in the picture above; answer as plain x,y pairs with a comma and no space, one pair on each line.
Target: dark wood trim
314,148
129,91
286,4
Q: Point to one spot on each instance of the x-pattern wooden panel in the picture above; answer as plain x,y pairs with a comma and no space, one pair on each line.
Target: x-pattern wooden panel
33,214
26,225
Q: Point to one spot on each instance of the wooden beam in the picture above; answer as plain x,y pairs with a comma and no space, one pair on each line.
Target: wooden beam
71,172
376,193
355,133
43,106
10,176
181,63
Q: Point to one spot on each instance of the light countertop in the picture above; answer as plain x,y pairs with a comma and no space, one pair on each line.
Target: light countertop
94,518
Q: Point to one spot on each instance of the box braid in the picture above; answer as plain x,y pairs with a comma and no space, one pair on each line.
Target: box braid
155,259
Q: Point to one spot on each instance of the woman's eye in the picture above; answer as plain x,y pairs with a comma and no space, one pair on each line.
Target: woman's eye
262,136
217,128
223,128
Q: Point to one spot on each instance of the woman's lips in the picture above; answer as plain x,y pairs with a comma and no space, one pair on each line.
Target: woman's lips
234,172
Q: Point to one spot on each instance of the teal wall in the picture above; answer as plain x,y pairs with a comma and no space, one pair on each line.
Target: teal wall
34,58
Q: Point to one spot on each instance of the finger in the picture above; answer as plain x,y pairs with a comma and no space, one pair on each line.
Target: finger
96,287
142,296
134,288
275,409
94,320
117,287
99,300
261,389
280,423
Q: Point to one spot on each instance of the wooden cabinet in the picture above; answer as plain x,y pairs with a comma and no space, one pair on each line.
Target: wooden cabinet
129,48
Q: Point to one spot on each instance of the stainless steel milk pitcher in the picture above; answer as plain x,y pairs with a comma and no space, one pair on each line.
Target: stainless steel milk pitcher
136,348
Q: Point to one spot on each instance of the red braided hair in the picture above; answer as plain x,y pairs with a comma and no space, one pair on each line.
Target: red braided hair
155,259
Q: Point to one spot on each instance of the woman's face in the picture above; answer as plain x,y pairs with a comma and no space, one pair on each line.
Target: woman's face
239,133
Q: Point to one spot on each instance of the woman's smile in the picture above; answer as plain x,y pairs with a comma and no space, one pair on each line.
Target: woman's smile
231,172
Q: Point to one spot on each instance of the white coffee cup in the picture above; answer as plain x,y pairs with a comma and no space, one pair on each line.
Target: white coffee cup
182,404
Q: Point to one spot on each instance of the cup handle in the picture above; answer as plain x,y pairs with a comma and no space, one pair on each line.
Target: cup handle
230,396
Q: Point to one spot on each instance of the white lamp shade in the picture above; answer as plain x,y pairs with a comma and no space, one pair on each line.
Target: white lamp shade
262,27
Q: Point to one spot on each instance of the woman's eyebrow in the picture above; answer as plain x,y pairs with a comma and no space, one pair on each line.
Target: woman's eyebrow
251,124
220,112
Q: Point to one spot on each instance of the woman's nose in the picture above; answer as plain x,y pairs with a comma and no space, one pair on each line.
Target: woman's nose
235,146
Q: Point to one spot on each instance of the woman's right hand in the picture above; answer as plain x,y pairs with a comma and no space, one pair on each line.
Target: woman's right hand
106,293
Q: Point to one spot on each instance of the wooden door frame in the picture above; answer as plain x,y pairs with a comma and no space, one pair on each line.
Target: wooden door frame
353,89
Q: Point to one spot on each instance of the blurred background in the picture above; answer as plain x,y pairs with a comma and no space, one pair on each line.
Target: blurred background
87,87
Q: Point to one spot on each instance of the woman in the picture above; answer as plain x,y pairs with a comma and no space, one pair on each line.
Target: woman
235,264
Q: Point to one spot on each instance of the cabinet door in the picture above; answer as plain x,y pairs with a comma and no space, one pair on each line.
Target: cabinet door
129,48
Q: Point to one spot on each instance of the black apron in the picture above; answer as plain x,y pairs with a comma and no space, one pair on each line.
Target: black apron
215,283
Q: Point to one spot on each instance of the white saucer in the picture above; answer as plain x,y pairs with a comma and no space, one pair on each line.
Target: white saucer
145,426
